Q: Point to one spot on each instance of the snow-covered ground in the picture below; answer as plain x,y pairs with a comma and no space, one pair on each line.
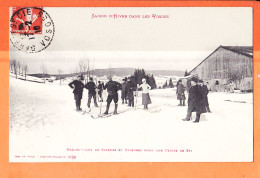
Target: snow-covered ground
44,127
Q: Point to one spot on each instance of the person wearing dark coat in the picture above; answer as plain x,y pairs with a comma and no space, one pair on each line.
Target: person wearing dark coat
195,101
112,88
180,93
205,92
130,88
123,91
78,87
91,86
100,90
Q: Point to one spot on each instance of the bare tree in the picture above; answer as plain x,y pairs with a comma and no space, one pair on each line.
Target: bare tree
71,74
19,67
88,70
60,71
11,66
83,66
76,70
80,66
235,76
44,71
22,68
25,69
14,62
92,73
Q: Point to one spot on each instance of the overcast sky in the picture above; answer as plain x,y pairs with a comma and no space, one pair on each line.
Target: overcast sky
176,43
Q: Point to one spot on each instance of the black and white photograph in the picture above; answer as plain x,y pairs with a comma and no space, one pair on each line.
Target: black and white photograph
128,84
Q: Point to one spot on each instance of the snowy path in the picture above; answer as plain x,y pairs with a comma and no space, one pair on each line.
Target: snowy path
43,121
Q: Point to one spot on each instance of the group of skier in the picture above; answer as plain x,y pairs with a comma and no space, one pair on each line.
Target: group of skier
127,88
197,94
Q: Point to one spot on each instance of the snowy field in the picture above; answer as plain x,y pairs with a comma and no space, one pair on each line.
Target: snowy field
44,127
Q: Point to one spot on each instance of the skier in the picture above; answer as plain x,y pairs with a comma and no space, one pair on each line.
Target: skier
100,90
78,87
112,89
180,93
195,101
91,86
145,93
123,91
205,92
130,88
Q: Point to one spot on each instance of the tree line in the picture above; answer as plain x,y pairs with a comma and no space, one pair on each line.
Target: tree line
82,68
168,85
139,74
18,68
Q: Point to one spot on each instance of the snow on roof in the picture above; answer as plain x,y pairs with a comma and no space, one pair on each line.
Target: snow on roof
245,50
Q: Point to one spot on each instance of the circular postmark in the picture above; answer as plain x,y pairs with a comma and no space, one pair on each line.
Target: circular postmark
31,29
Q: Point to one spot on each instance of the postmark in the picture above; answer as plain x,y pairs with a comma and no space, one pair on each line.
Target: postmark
31,29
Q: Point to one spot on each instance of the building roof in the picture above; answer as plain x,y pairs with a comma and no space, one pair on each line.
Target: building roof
243,50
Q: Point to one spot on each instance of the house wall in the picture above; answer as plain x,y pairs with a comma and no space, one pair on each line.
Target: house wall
224,65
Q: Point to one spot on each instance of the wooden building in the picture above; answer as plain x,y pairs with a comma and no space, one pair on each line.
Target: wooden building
227,65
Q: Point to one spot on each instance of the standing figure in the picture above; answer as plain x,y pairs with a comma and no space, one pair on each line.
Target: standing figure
91,86
100,90
130,88
112,89
242,87
123,91
188,85
180,93
145,93
78,87
195,101
205,92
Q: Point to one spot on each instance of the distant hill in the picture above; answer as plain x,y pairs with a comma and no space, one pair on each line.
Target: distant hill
121,72
166,72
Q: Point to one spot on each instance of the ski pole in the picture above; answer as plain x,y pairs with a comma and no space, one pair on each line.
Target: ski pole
97,100
100,108
136,96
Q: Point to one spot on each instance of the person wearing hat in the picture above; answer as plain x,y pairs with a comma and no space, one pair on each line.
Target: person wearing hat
205,92
100,90
130,88
78,87
91,86
123,91
145,93
112,88
180,93
195,101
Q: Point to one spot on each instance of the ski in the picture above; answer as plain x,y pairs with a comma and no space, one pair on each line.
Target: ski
102,115
86,111
110,114
235,101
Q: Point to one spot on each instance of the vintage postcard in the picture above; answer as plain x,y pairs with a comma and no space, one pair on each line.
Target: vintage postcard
131,84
